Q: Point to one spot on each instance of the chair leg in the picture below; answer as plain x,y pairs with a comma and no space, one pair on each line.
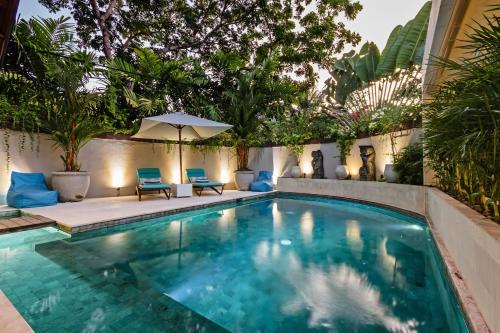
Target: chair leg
199,191
167,194
216,190
139,193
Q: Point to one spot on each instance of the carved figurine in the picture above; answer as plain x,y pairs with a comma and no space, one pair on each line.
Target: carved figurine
367,170
317,165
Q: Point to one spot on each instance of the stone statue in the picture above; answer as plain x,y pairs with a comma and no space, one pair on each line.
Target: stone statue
367,170
317,165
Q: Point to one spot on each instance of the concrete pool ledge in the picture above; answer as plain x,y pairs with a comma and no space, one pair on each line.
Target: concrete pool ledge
469,244
10,319
98,213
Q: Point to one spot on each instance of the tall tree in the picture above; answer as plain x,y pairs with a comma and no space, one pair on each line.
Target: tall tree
307,30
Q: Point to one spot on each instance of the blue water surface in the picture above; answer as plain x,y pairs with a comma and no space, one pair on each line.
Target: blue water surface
287,264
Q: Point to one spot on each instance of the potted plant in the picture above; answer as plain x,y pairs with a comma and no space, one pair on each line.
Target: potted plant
393,121
252,94
74,122
344,141
296,151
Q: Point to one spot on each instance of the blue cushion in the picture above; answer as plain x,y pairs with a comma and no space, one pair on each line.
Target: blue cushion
261,186
148,173
208,184
29,190
195,172
264,182
265,175
154,186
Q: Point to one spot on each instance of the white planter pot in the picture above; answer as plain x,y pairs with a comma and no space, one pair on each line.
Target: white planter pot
71,186
390,175
341,171
243,179
296,172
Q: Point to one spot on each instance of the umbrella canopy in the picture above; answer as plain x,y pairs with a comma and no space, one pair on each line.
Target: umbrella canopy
179,126
166,127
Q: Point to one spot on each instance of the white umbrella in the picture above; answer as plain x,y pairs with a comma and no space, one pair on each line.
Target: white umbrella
181,127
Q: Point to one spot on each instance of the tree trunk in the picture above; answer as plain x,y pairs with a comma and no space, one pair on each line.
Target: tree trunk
101,22
242,155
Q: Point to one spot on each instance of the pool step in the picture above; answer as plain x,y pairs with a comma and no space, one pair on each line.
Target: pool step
16,222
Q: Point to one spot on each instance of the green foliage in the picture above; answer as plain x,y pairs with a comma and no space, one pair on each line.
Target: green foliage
371,92
409,164
461,124
405,46
153,86
298,125
251,95
308,32
54,75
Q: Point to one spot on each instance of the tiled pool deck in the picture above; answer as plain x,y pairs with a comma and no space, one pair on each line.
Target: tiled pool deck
95,213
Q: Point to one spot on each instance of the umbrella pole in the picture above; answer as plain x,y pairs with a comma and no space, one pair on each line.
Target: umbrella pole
180,150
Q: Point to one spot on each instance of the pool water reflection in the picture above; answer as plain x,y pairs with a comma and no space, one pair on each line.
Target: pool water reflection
292,264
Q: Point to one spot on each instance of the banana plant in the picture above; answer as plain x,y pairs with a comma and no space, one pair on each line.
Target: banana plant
371,83
405,46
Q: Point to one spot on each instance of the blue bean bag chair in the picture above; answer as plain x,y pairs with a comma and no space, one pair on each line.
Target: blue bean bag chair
264,182
29,190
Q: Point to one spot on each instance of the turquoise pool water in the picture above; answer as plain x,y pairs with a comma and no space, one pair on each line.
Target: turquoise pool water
287,264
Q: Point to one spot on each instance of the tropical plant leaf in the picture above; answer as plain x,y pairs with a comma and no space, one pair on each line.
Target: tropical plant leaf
404,47
367,62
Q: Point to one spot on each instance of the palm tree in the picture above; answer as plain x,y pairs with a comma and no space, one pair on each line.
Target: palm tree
255,93
48,58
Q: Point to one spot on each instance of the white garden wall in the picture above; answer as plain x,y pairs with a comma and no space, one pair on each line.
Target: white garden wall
278,160
112,163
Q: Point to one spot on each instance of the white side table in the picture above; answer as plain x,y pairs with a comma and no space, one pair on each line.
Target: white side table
182,190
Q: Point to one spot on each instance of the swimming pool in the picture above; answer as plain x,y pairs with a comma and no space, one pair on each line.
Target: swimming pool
285,264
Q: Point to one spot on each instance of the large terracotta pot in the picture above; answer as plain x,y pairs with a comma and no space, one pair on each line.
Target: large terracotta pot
296,172
243,179
390,175
341,171
71,186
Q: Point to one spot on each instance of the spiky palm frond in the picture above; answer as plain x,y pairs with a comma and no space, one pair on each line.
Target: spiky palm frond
462,123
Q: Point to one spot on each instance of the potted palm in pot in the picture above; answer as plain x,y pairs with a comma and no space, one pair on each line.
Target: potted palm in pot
253,93
73,123
60,75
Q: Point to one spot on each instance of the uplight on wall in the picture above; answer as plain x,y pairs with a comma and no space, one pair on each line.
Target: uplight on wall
224,174
117,179
307,167
176,178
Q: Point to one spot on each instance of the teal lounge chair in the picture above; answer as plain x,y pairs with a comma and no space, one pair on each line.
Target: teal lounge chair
150,181
198,186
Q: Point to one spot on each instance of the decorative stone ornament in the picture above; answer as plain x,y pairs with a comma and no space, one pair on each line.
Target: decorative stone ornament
317,165
367,170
